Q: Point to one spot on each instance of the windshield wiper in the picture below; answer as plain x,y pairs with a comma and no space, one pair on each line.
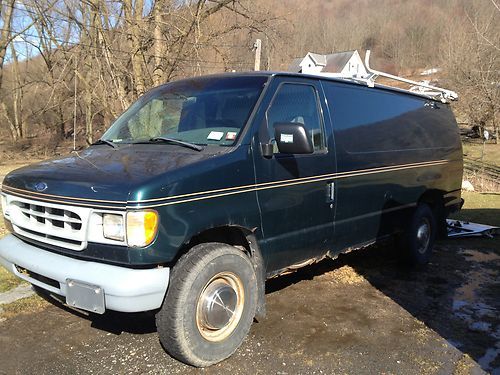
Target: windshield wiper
104,142
177,142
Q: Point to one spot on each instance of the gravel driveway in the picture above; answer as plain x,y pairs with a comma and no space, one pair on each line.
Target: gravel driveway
363,313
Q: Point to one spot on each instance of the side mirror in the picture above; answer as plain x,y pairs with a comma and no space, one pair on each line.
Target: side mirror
292,138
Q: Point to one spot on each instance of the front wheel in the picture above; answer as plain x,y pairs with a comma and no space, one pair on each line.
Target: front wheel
418,240
209,306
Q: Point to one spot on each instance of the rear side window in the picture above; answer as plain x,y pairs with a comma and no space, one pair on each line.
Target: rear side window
298,103
373,120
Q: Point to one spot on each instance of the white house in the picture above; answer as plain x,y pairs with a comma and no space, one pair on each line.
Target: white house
342,64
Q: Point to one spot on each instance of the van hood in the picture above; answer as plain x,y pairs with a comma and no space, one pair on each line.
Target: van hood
103,173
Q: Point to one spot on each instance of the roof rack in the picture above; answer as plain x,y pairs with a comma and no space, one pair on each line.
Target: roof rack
424,88
419,88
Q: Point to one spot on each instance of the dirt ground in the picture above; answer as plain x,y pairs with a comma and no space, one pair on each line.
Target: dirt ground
363,313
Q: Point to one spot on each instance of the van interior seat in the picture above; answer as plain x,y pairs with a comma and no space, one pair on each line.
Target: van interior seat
192,116
235,111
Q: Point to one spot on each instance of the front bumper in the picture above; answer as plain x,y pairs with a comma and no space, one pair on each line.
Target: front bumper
125,289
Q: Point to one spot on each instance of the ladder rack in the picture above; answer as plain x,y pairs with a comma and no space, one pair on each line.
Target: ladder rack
374,74
422,88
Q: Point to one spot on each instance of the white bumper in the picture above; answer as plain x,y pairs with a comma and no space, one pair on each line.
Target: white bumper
125,289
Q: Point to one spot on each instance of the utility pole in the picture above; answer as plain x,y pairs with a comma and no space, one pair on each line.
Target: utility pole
268,56
258,49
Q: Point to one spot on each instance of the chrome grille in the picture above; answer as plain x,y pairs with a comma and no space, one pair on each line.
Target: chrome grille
53,216
54,224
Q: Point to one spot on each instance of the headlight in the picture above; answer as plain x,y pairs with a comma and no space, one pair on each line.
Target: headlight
141,227
112,227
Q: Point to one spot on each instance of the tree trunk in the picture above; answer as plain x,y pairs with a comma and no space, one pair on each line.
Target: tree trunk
19,122
158,44
89,131
133,18
5,33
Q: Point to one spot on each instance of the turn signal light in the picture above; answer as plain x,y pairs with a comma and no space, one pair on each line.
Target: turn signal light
142,227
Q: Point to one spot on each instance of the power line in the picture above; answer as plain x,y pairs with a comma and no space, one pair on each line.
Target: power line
112,49
117,31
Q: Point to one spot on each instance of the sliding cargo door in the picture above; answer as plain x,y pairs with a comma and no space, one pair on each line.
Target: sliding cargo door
383,143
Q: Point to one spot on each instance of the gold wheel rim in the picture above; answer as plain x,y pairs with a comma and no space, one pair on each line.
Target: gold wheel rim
220,306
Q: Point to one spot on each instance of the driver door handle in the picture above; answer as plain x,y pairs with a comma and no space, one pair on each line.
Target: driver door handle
330,192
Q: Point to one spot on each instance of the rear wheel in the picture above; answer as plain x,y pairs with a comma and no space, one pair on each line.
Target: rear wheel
418,240
209,306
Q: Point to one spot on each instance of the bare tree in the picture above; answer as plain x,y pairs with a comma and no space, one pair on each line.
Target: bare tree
472,64
116,50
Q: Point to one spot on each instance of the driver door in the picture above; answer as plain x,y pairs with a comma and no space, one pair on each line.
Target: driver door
296,193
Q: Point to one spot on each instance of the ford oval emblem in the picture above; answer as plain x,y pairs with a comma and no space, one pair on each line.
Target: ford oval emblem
40,186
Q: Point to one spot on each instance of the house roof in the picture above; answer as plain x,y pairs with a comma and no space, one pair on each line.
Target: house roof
318,59
335,62
332,63
295,65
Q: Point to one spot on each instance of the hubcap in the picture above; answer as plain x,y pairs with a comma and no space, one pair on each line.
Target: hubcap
220,306
423,235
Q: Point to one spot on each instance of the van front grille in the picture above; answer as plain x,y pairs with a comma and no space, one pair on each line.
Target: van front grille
55,217
57,225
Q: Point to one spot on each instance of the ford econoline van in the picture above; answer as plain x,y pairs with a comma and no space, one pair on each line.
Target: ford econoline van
206,187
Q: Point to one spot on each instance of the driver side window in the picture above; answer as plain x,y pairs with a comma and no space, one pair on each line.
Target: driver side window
298,103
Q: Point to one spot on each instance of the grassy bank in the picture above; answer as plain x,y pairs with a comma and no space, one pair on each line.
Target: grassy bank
474,151
481,165
483,208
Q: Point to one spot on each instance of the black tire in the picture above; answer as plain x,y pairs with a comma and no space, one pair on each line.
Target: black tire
418,239
197,333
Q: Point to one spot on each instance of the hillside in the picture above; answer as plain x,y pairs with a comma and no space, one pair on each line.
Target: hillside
83,65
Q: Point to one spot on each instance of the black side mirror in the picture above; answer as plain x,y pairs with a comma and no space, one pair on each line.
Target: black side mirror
292,138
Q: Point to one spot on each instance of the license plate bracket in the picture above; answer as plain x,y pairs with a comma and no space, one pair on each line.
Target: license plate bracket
85,296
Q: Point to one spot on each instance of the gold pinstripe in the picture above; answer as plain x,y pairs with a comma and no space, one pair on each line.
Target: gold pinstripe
191,197
333,176
28,196
330,175
60,196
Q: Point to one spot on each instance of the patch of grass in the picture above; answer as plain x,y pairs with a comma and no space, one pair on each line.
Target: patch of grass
474,150
26,305
482,172
483,208
8,280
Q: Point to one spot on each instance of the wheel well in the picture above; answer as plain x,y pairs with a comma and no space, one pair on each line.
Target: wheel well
230,235
242,239
434,198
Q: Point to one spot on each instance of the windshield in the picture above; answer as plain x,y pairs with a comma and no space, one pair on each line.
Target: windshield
203,111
